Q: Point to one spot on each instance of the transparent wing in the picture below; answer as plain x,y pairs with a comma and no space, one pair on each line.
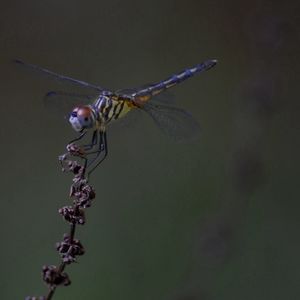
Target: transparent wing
174,122
63,102
60,77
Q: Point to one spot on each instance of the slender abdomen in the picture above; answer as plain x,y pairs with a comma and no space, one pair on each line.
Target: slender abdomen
145,94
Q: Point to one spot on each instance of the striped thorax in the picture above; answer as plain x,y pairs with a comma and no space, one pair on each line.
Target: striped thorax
109,109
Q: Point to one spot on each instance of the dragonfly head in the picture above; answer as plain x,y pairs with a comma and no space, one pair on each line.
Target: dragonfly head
82,117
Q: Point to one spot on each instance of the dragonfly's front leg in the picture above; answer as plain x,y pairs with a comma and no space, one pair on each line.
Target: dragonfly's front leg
74,150
78,138
102,148
83,153
93,143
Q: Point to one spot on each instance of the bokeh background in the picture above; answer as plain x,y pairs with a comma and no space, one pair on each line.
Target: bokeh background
213,219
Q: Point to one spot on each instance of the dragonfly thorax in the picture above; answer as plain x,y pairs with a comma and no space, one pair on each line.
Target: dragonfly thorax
82,117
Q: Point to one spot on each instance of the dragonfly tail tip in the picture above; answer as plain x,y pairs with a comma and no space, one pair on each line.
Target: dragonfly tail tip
208,64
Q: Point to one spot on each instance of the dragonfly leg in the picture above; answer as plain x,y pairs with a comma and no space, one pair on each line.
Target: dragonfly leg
102,148
78,138
93,143
98,151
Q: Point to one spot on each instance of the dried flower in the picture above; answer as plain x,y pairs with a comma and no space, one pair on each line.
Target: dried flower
73,215
69,248
75,150
53,276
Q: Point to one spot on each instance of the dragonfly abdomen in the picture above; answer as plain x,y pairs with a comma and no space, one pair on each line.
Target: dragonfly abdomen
154,89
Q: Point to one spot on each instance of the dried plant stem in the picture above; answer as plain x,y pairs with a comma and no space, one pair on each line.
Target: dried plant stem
69,248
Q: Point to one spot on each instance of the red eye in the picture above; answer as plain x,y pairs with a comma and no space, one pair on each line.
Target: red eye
84,112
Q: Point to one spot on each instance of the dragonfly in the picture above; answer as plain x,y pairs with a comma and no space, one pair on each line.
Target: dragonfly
95,113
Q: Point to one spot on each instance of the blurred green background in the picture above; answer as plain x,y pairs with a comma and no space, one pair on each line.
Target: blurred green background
213,219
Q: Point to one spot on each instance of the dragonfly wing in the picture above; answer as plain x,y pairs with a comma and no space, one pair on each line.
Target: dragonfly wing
165,98
173,121
63,102
61,78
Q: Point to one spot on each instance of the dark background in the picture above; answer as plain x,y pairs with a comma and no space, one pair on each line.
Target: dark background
214,219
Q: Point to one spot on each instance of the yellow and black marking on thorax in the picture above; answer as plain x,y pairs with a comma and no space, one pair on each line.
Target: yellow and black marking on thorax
110,108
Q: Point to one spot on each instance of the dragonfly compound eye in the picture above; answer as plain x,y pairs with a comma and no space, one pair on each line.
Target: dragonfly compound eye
85,116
